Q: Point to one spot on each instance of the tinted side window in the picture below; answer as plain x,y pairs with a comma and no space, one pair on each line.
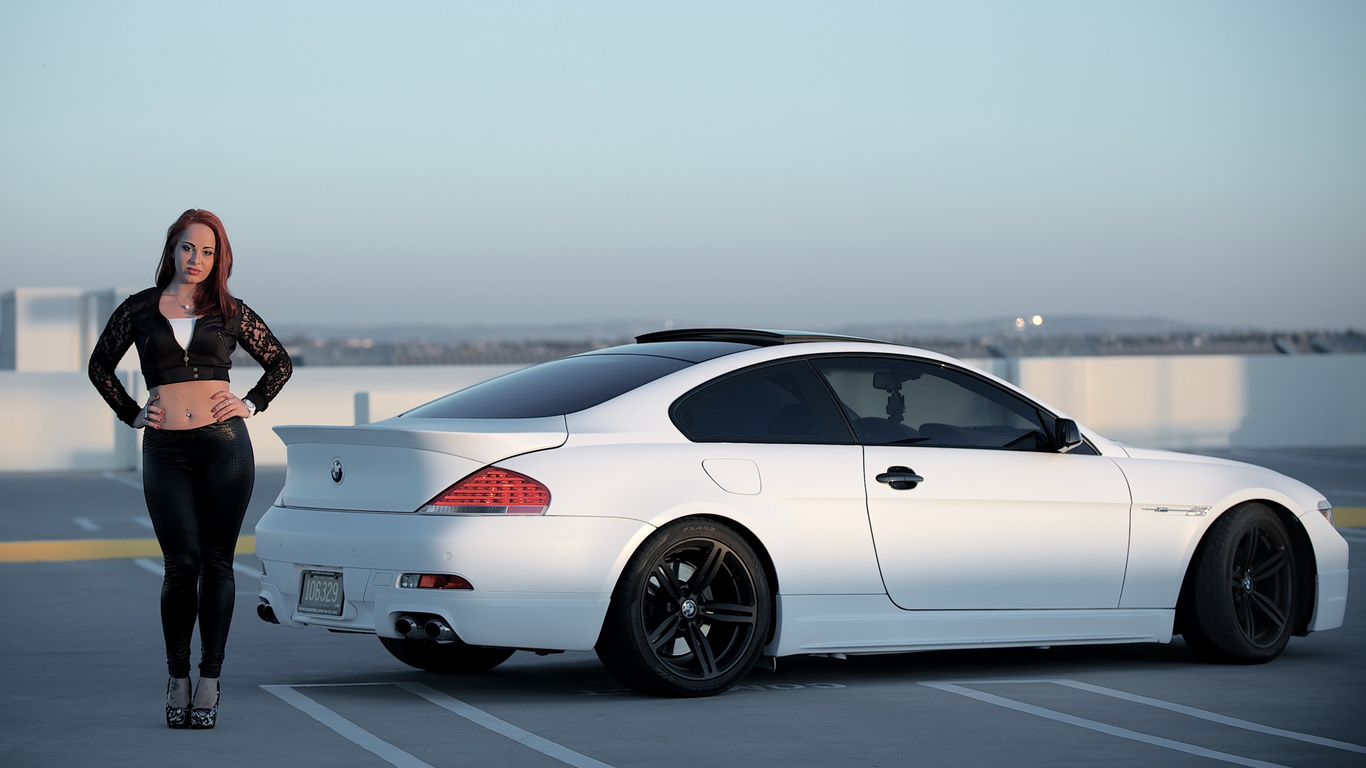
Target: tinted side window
898,401
783,403
551,389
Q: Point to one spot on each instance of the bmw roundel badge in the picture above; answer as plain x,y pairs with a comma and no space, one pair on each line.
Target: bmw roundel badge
336,470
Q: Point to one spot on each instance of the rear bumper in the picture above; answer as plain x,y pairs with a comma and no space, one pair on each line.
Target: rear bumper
539,582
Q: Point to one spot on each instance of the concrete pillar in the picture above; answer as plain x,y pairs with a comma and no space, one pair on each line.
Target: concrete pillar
40,330
362,407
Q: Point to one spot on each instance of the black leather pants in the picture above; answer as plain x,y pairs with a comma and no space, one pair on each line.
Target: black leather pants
197,483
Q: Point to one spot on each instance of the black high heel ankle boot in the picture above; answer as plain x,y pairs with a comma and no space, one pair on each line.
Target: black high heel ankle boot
176,717
204,718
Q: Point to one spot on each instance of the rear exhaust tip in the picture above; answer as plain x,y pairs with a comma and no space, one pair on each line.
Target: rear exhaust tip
407,626
437,629
266,613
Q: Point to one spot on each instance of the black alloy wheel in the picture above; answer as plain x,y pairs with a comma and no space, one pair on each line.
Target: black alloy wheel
1240,606
691,613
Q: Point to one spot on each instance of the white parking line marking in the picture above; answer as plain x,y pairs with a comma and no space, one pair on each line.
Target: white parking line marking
397,757
85,523
246,570
1092,725
502,727
1215,717
346,729
335,685
128,481
148,565
145,522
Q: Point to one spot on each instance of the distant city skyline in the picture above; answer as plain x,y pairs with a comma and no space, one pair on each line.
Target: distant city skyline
793,164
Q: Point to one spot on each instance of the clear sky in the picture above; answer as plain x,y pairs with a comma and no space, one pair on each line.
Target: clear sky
782,164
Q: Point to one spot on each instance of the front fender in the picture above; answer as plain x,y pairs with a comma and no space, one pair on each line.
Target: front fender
1176,499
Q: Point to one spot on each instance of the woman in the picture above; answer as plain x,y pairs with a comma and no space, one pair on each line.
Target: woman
197,463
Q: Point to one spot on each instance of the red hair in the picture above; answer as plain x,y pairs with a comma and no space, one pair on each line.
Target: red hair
212,293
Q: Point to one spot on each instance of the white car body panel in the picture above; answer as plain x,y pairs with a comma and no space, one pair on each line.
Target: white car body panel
995,548
521,581
1163,542
1331,555
867,624
999,529
394,466
810,516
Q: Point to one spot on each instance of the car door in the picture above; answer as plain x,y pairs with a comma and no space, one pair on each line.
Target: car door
772,434
970,506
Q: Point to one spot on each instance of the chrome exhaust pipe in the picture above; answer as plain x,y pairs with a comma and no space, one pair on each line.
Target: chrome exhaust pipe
407,626
437,629
266,613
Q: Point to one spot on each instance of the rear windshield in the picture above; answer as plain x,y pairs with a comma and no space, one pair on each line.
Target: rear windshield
555,388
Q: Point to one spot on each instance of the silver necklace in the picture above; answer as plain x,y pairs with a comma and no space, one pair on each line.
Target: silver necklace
179,303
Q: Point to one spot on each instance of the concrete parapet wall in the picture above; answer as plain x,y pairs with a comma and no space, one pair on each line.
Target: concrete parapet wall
1171,402
328,395
55,421
58,422
1193,401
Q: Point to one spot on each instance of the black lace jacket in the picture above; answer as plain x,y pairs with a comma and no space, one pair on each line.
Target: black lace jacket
138,320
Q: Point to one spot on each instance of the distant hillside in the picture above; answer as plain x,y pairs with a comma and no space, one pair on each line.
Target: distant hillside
1052,327
1001,337
464,334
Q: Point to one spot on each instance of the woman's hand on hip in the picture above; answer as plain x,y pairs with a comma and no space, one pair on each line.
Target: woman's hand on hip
228,405
152,415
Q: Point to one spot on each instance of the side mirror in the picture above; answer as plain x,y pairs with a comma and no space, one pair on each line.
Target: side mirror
1068,435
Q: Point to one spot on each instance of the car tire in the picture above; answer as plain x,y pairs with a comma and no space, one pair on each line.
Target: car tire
690,614
452,657
1238,605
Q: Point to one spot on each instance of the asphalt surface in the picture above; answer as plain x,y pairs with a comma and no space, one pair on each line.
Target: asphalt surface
82,681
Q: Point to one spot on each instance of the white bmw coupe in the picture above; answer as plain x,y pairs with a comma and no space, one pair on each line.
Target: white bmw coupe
693,502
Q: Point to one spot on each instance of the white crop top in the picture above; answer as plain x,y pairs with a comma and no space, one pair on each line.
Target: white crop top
183,328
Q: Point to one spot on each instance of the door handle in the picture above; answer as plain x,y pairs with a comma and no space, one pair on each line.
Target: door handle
900,478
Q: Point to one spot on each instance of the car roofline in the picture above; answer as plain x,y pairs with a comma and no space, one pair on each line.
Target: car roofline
759,337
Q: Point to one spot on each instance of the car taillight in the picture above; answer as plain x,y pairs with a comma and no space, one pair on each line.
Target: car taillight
491,491
433,581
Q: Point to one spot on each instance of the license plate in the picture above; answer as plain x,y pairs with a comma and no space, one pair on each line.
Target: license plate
321,593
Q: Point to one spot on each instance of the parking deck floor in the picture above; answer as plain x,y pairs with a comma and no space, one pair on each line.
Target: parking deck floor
82,679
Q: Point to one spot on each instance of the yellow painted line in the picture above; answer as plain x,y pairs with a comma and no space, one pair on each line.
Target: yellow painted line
93,549
1349,517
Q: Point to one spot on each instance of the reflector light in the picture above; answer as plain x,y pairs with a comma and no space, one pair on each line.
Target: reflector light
491,491
433,581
